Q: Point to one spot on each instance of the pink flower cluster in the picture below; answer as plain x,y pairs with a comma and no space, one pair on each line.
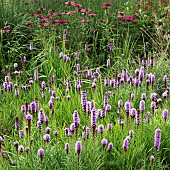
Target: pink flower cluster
6,29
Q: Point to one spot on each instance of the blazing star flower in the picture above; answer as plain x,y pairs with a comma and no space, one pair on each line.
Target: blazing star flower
109,126
101,128
138,118
142,106
110,146
152,158
157,139
46,137
165,114
21,148
148,117
78,147
67,146
126,144
104,142
21,133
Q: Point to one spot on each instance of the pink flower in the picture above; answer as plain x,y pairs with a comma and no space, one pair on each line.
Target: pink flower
128,18
85,11
85,20
29,23
41,9
5,31
6,26
92,15
106,5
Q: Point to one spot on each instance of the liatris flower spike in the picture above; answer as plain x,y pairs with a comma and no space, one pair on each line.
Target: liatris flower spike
78,149
67,146
104,142
157,139
41,154
165,114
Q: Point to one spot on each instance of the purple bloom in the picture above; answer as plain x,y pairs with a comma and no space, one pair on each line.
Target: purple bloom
56,133
17,125
108,63
131,133
153,96
165,114
157,139
84,100
109,126
31,47
76,119
46,137
110,47
48,130
143,96
41,115
36,75
104,142
28,117
120,103
138,118
67,146
148,117
78,147
21,133
105,100
21,148
142,106
86,48
15,65
133,112
126,144
152,158
101,128
110,146
127,107
27,149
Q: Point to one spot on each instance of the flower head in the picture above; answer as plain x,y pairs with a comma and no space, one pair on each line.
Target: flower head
78,147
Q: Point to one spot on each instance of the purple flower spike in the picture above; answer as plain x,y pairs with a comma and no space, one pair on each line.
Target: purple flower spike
101,128
110,47
21,148
104,142
148,117
110,146
157,139
36,75
142,106
152,158
108,63
138,118
165,114
126,144
109,126
67,146
46,137
21,133
78,147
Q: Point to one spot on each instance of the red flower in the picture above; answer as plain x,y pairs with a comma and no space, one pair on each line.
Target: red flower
102,20
41,9
128,18
106,5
